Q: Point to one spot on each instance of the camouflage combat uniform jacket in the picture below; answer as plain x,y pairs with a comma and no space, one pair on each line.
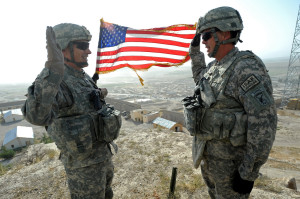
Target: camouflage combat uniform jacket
247,92
61,103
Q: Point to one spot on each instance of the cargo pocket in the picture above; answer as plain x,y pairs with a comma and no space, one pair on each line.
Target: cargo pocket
238,134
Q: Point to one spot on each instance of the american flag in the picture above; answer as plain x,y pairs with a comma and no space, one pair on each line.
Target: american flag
121,46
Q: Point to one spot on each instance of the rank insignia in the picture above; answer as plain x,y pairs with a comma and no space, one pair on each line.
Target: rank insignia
250,83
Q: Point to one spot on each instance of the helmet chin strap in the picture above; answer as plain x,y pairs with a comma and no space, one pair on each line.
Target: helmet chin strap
78,64
219,43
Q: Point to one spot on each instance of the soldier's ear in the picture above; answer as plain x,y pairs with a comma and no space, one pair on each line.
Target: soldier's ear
66,52
226,35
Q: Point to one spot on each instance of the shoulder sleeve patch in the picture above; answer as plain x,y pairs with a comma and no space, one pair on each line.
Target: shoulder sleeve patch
250,83
260,98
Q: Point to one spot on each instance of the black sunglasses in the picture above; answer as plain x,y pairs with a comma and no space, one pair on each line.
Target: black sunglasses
81,45
206,36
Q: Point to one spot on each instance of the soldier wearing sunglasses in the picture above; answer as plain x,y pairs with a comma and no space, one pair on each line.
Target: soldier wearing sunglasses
60,100
232,116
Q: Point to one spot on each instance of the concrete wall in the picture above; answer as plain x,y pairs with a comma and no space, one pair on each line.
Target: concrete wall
137,115
118,104
11,105
122,105
293,104
176,127
150,117
19,142
12,118
173,116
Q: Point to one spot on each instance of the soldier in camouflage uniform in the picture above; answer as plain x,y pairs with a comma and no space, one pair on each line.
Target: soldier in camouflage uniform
232,115
60,99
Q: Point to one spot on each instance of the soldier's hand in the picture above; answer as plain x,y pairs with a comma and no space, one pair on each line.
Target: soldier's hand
55,57
95,77
196,40
104,93
240,185
197,90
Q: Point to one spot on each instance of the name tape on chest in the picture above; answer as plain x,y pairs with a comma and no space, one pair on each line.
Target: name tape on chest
250,83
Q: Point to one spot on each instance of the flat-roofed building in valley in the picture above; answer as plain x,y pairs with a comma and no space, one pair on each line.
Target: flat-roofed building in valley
19,136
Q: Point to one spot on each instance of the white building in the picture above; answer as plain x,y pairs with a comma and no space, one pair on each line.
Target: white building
12,115
164,123
19,136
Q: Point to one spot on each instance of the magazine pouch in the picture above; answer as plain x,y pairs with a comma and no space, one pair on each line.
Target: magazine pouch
192,114
110,122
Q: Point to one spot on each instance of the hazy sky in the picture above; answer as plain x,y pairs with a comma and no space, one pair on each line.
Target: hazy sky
269,27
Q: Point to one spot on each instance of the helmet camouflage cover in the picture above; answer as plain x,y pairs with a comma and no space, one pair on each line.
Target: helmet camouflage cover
223,18
67,32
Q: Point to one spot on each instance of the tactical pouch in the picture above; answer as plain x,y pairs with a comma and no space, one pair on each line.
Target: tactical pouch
207,94
222,125
217,125
74,135
192,115
197,150
110,123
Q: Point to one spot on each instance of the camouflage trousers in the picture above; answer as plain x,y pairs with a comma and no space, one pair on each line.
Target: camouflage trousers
92,182
218,174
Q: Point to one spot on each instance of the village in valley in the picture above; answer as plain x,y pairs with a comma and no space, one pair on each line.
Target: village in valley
156,104
153,139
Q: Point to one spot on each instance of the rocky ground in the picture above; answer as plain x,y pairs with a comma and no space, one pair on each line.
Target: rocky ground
144,163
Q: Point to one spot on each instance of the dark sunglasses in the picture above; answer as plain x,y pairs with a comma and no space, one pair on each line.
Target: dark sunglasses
81,45
206,36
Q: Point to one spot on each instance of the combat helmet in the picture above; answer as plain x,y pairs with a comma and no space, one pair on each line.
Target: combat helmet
66,33
223,19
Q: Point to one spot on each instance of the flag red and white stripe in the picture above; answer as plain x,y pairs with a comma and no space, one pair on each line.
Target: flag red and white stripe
121,46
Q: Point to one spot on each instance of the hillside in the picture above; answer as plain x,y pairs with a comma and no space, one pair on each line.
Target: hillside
144,164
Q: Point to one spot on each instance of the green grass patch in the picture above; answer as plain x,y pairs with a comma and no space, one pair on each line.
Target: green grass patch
4,169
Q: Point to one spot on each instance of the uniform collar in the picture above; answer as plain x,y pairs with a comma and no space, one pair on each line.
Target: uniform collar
228,56
75,72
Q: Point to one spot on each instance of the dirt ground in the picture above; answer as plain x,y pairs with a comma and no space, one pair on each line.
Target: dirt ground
144,163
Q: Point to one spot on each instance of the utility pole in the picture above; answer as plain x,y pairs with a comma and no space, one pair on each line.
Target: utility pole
291,88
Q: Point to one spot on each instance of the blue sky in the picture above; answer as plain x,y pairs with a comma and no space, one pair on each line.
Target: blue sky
269,27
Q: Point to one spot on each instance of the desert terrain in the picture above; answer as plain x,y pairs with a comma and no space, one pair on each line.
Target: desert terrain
144,163
146,156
